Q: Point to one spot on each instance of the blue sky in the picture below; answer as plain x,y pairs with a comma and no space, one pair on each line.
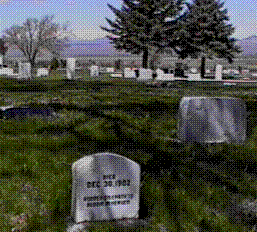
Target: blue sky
85,16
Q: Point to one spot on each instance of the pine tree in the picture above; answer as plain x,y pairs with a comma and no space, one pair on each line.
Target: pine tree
208,34
3,49
140,27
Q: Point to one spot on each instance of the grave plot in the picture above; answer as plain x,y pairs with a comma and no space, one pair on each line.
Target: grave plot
25,112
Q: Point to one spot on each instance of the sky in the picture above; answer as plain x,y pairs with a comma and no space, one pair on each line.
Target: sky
85,17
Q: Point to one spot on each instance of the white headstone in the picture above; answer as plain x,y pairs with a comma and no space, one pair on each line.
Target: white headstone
193,70
94,71
245,71
145,74
129,73
159,73
218,72
42,72
161,76
1,59
110,70
105,187
212,120
24,70
7,71
71,62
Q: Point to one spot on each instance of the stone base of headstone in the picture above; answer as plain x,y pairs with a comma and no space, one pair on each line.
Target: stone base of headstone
126,223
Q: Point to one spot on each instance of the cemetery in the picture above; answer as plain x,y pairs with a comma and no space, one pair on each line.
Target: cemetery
100,150
95,168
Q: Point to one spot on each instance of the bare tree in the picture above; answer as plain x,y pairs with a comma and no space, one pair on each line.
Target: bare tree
36,36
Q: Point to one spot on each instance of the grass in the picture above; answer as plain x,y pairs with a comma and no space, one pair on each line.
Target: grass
129,119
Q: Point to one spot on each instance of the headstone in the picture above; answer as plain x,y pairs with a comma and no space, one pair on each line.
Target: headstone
208,71
1,60
6,71
160,74
110,70
218,72
145,74
245,71
94,71
25,70
105,186
42,72
193,70
212,120
71,62
129,73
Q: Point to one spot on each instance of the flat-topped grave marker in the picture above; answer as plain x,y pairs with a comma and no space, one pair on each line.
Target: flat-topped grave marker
212,120
129,73
105,186
145,74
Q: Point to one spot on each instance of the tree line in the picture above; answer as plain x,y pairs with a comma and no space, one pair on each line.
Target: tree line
147,27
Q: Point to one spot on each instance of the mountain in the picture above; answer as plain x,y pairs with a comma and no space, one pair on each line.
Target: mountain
249,45
103,47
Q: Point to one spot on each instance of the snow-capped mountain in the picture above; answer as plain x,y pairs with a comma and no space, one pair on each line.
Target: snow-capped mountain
103,47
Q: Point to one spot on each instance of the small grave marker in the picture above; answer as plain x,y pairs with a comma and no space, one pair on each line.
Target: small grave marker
145,74
105,187
42,72
110,70
129,73
218,72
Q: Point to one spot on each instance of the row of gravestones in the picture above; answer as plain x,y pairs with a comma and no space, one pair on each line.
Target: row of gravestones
106,186
25,70
147,74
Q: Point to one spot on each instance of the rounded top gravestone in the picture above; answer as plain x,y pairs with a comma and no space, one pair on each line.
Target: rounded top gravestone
212,120
105,187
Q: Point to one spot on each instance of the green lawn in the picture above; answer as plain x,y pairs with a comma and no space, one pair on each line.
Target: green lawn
130,119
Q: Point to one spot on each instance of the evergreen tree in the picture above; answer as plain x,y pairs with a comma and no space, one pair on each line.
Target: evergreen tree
54,65
140,26
3,49
207,33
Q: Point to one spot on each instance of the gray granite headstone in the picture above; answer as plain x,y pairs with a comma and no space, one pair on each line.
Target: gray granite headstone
212,120
105,187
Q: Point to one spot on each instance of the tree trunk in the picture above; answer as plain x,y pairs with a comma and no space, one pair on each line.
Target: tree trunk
203,67
32,65
145,58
